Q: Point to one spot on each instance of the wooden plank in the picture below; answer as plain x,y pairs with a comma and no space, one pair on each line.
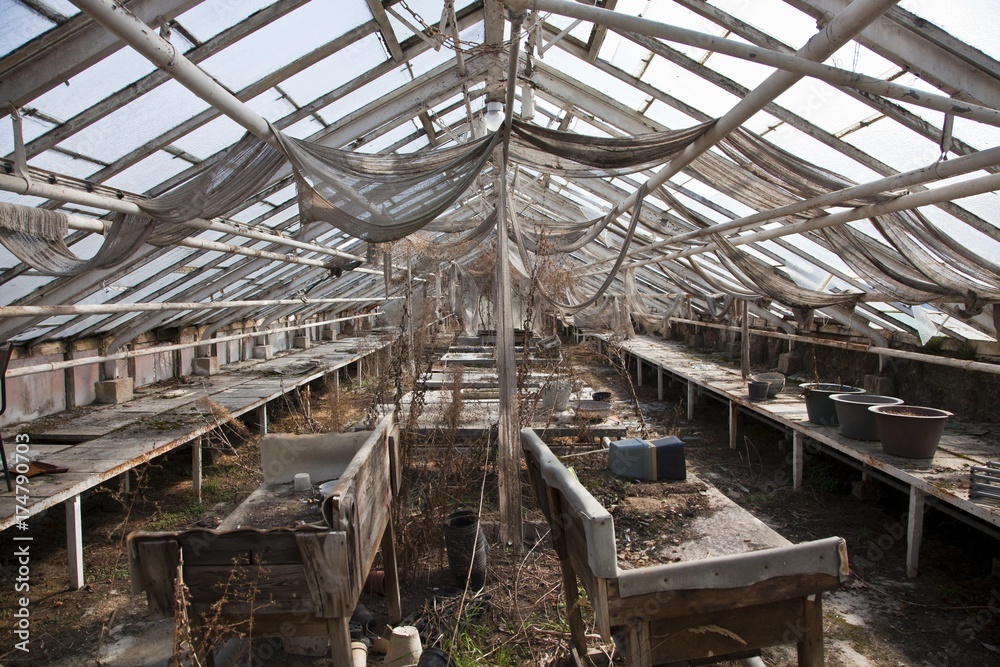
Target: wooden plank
265,588
721,633
638,645
391,574
158,561
680,603
325,561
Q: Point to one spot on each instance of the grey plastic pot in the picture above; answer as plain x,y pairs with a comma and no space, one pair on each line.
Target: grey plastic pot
856,421
819,407
910,431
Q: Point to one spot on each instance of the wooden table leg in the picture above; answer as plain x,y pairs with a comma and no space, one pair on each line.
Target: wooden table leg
391,574
810,646
340,640
576,628
638,646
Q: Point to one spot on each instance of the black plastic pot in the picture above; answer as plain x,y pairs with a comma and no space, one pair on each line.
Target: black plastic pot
434,657
466,543
856,421
820,408
757,390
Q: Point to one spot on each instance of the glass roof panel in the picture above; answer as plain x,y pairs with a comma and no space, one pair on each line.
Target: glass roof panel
774,17
624,54
973,20
19,25
211,137
335,70
61,163
271,105
746,73
897,146
207,19
363,96
31,128
823,105
682,84
95,83
591,77
137,123
151,171
279,43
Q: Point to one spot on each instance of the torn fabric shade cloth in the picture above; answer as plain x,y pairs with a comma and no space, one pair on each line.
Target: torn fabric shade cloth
36,236
576,155
381,198
773,285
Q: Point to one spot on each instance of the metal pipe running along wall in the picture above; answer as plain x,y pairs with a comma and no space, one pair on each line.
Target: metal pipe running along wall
59,365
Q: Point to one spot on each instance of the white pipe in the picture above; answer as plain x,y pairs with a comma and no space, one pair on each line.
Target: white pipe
820,46
790,63
59,365
113,308
130,207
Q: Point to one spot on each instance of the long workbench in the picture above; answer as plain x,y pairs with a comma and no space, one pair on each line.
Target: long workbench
100,442
943,480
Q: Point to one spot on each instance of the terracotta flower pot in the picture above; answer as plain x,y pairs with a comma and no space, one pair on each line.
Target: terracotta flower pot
909,431
819,407
856,421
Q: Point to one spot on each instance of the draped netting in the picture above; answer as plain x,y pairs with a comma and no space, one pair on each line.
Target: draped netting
378,197
640,310
576,155
755,273
579,303
37,236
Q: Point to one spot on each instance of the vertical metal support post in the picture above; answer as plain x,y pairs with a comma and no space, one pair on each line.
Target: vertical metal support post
196,468
914,531
745,339
692,394
734,424
659,383
798,451
74,542
262,419
359,372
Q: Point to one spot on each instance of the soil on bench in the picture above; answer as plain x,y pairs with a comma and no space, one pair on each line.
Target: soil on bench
647,515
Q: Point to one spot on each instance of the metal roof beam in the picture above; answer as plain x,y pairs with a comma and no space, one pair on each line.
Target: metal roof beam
385,28
900,114
924,49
